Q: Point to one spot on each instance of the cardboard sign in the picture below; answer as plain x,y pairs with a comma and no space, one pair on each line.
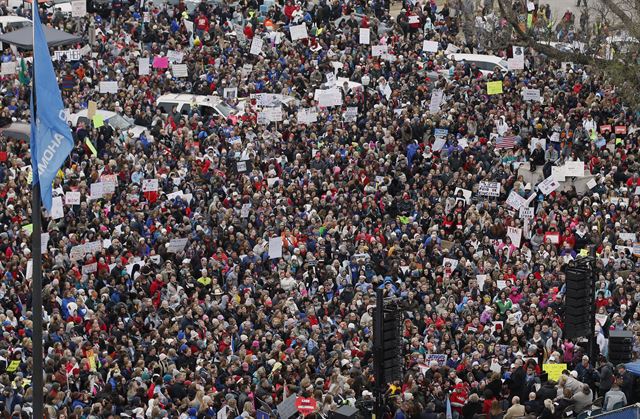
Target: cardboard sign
525,213
298,32
72,198
489,189
554,370
378,50
180,70
531,95
307,116
436,100
256,46
548,185
515,234
108,87
430,46
149,185
175,56
494,87
574,169
78,8
275,247
620,129
57,210
306,405
9,68
515,201
143,66
365,36
176,245
160,62
97,190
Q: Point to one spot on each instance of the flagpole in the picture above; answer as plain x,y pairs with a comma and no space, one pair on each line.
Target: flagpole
36,300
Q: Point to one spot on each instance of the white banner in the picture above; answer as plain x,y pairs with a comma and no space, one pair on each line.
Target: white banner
298,32
149,185
365,36
515,234
78,8
176,245
548,185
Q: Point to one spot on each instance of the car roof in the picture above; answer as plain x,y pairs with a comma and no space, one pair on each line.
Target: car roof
187,98
83,113
12,19
476,57
22,128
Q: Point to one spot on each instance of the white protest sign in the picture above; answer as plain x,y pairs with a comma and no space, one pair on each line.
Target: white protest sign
526,213
230,92
378,50
436,101
143,66
486,188
558,173
244,212
78,8
275,247
515,234
176,245
57,211
109,87
329,97
256,46
438,143
592,183
465,193
72,198
44,241
307,116
90,268
515,201
97,190
430,46
298,32
574,169
149,185
109,183
548,185
274,114
517,62
180,70
9,68
175,56
70,54
365,36
531,95
351,114
188,26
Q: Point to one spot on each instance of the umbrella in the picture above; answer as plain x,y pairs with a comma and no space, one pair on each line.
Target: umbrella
633,367
23,38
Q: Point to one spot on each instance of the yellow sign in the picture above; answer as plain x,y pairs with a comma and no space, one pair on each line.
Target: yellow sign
28,228
554,370
13,366
494,87
93,107
91,147
98,120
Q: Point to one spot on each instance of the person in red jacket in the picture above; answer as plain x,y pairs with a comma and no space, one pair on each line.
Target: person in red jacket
202,25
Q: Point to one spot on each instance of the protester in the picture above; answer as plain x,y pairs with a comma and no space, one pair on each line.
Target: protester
249,274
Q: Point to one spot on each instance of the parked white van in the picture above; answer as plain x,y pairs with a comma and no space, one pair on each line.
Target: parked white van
206,105
487,64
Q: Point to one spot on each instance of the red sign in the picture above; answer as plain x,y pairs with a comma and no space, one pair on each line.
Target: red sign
621,129
605,128
306,406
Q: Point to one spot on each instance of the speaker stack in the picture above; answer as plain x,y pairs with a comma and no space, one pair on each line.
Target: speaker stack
620,346
579,302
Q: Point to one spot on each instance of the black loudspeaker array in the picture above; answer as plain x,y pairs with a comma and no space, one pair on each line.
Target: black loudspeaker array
620,346
579,302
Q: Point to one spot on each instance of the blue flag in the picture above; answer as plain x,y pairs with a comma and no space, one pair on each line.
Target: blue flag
449,414
51,140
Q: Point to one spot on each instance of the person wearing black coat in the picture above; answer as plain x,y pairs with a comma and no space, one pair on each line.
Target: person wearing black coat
472,407
548,391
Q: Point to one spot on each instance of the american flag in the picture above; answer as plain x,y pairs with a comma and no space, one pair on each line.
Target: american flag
505,142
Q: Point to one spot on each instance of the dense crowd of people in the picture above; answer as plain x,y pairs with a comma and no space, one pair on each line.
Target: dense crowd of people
139,324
